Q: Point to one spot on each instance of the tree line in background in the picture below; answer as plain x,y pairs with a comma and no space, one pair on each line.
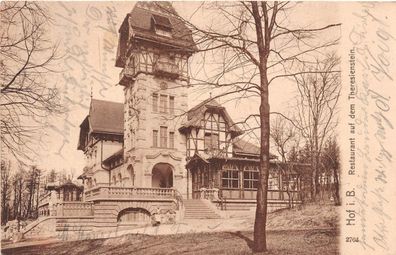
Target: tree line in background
28,100
293,150
21,190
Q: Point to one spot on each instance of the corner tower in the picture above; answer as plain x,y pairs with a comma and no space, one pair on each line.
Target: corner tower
153,50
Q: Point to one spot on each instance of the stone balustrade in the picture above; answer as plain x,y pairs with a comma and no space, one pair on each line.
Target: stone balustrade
114,192
209,194
74,209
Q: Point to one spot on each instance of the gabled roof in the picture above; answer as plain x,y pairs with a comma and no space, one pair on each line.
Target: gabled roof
87,173
106,117
61,184
243,147
196,114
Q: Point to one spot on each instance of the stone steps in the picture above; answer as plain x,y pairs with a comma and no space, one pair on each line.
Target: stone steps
74,224
197,209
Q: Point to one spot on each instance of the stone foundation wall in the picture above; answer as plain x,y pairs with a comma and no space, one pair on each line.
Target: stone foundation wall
106,212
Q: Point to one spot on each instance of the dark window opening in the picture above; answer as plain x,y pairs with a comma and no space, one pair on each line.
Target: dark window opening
230,179
161,22
155,138
250,179
163,137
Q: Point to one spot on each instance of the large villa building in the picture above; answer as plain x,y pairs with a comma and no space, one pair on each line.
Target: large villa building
154,154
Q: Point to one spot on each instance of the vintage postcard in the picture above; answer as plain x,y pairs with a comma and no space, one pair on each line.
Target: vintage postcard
189,127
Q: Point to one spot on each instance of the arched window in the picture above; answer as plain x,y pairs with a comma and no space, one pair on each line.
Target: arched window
120,179
114,180
131,173
89,183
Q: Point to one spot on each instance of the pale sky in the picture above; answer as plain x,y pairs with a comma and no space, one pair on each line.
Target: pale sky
87,36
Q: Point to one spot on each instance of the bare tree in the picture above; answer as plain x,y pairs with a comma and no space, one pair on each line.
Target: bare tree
19,195
284,137
32,185
248,47
27,98
318,95
330,161
5,191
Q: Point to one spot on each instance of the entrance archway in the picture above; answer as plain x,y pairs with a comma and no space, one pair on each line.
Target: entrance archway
162,176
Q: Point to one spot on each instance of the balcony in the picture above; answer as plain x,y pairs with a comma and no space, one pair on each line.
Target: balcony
167,69
126,76
130,193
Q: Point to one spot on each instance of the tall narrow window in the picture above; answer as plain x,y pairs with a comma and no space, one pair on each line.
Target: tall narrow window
163,103
211,141
250,178
172,140
155,102
163,137
171,105
155,138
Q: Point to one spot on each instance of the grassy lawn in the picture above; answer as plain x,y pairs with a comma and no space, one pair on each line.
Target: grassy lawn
279,243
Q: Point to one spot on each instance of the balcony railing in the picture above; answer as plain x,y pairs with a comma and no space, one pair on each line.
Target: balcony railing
113,192
210,194
167,69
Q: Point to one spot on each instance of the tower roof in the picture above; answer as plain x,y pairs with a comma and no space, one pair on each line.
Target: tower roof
146,18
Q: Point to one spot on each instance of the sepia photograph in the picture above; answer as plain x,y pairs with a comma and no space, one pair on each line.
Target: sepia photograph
186,127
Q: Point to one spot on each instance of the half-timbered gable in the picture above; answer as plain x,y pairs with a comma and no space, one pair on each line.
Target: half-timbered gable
209,131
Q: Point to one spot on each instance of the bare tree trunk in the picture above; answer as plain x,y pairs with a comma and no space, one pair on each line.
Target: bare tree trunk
38,194
260,237
336,187
20,183
261,211
31,192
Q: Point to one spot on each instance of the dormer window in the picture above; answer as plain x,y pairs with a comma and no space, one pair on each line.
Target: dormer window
161,25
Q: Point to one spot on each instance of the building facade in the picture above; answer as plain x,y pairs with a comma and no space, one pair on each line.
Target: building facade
152,154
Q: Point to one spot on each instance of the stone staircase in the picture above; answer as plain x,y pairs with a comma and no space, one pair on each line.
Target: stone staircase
74,224
198,209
